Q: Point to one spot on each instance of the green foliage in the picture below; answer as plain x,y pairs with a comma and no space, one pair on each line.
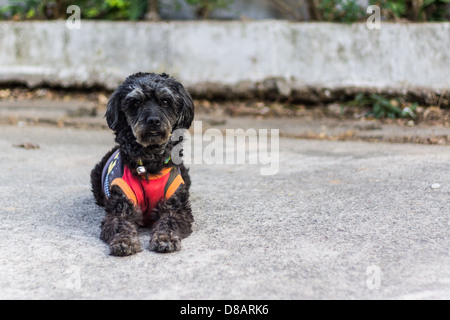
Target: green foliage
90,9
341,10
430,10
382,107
436,10
329,10
27,9
100,9
112,9
397,7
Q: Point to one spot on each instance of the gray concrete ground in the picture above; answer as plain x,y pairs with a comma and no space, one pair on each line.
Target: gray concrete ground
340,220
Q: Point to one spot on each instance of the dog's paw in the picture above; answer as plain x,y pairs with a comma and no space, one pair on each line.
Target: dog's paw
122,246
165,242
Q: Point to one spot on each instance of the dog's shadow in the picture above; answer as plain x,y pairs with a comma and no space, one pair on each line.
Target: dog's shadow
84,217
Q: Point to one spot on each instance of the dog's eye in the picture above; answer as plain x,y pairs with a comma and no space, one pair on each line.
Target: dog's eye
165,103
136,104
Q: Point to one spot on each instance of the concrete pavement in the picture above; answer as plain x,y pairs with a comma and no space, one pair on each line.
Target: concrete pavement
341,220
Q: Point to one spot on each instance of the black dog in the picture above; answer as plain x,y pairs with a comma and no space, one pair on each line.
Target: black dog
137,182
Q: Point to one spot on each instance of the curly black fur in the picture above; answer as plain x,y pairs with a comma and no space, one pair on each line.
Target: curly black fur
143,112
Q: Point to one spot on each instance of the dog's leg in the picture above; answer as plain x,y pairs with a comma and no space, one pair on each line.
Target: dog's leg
174,223
185,176
119,227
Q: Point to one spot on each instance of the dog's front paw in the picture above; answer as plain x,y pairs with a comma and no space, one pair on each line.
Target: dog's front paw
165,242
122,246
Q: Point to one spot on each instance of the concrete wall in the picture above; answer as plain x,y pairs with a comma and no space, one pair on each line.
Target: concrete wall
239,57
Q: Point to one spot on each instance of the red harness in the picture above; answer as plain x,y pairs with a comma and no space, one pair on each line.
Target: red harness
146,192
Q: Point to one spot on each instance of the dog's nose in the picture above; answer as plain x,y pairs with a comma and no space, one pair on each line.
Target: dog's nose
154,122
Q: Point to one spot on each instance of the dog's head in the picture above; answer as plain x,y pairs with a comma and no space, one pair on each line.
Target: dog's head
152,105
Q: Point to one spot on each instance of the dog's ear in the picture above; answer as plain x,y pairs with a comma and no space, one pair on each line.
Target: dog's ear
186,108
114,115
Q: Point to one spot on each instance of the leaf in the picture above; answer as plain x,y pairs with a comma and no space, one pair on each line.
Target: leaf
31,13
408,112
393,109
27,145
377,109
391,115
359,97
137,9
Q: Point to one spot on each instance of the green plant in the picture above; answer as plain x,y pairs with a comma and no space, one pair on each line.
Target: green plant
415,10
341,10
382,107
112,9
397,7
436,10
90,9
27,9
321,10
